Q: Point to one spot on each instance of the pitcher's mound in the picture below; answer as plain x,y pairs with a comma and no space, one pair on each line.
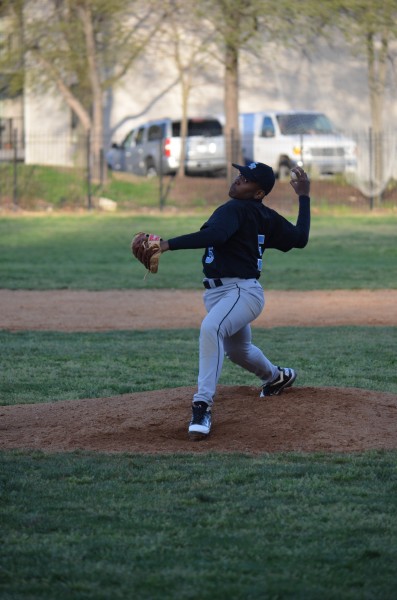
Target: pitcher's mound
302,419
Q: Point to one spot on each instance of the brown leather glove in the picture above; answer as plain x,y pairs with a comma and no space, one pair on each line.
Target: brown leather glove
146,248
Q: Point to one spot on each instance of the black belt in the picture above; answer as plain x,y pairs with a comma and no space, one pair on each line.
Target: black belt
217,283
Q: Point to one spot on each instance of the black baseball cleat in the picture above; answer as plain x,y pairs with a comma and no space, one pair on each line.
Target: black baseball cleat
285,379
200,424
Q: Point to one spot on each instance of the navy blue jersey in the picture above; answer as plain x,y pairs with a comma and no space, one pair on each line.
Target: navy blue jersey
237,234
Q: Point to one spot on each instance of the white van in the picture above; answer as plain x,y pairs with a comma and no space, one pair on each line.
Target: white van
285,139
154,148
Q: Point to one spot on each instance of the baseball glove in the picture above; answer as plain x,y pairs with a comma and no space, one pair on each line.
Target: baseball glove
146,248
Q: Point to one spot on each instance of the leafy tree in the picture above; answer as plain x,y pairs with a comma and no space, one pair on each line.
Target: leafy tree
235,23
82,48
243,26
371,27
11,55
188,43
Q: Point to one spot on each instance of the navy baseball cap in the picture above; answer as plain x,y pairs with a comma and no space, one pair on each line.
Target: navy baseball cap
259,172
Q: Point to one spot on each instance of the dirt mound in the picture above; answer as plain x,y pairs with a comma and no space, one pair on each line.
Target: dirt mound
302,419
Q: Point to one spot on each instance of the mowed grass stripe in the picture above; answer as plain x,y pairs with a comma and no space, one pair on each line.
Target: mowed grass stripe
201,527
92,251
42,366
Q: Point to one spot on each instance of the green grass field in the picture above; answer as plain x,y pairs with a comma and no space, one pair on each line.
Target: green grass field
38,186
284,526
213,527
92,251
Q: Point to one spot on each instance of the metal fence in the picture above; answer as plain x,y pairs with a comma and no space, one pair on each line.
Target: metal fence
65,172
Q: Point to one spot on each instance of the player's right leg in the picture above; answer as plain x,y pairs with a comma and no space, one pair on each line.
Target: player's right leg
200,423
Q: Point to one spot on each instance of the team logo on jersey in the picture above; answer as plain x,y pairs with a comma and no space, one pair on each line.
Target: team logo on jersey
210,255
261,241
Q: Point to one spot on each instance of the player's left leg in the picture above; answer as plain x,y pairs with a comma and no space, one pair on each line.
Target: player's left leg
240,350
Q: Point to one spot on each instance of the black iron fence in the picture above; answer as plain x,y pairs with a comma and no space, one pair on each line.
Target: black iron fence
73,171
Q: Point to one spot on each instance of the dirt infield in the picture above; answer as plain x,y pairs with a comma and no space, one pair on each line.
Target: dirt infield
68,310
302,419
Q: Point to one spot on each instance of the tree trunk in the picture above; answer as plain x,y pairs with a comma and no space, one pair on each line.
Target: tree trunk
74,104
377,70
232,129
97,96
184,127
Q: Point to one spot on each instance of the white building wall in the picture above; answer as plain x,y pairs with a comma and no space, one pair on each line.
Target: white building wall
327,79
48,136
11,123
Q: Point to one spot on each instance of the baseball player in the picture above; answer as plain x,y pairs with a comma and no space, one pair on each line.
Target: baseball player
235,238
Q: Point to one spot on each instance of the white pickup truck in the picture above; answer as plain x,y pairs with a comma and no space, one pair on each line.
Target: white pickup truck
284,139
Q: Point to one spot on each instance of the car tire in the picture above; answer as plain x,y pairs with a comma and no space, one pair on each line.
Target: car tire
151,170
283,170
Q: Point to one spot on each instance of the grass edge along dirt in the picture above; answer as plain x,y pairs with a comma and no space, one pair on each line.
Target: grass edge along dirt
46,366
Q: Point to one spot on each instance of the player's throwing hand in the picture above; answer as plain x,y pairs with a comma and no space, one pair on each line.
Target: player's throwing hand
300,181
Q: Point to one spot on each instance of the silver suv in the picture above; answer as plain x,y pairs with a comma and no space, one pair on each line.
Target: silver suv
154,148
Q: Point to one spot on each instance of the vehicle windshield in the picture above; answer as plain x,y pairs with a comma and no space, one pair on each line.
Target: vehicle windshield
204,127
305,123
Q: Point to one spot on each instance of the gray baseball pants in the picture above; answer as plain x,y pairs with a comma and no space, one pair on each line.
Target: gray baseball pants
226,329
